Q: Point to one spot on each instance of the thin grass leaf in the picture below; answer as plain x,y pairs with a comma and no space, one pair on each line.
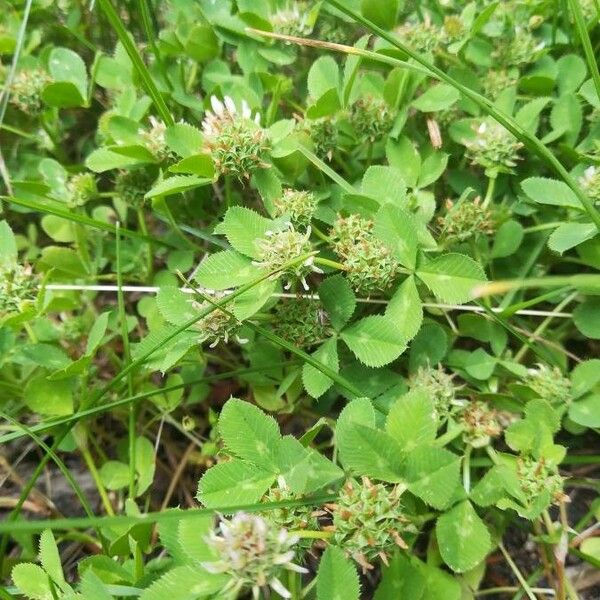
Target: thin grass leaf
136,59
315,160
586,43
54,209
155,517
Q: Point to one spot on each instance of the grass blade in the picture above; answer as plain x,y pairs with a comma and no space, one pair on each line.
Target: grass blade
65,213
136,59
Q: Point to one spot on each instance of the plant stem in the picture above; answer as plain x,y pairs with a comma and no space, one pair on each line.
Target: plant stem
89,461
489,192
466,468
517,572
329,263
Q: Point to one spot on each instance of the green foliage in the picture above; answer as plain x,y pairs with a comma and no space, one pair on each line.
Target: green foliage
347,283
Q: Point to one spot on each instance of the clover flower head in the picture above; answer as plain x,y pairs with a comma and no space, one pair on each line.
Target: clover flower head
298,205
217,326
440,386
252,553
480,423
590,182
18,287
293,518
537,477
279,247
26,90
494,147
301,321
81,187
132,185
155,139
369,265
423,36
549,384
294,19
466,219
453,28
497,80
371,117
324,135
368,520
524,48
235,139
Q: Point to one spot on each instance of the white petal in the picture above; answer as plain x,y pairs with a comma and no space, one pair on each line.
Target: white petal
217,105
257,118
296,568
230,105
246,112
279,588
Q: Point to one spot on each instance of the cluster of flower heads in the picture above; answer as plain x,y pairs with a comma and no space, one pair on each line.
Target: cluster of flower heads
369,521
217,326
493,147
301,321
236,141
253,553
497,80
371,118
298,205
423,36
132,185
155,139
26,90
280,247
81,188
466,219
549,384
590,182
369,265
18,287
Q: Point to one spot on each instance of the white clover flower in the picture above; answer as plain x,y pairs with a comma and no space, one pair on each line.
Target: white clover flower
235,139
278,248
253,554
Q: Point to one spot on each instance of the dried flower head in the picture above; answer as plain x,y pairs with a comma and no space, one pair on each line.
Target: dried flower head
131,186
439,386
294,19
298,205
371,118
26,90
537,477
549,384
155,139
466,219
217,326
81,188
280,247
494,147
368,521
253,554
301,321
18,287
590,182
236,141
370,266
480,423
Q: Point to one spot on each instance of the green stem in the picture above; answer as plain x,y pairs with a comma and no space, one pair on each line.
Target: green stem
517,572
89,461
329,263
490,192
